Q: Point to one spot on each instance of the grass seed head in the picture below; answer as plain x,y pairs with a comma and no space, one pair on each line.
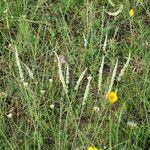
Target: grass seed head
132,124
50,80
10,115
80,79
52,106
96,109
25,84
87,90
62,59
3,95
42,92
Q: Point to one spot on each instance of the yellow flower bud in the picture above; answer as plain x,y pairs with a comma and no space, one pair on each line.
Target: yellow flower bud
131,13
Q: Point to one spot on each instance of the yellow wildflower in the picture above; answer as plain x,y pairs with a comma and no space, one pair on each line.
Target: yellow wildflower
92,148
112,97
131,12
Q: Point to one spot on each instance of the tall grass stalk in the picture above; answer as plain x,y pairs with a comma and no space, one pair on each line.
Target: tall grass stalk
19,65
61,76
80,79
113,76
100,75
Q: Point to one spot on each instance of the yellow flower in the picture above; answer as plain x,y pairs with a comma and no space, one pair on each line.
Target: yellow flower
112,97
131,12
92,148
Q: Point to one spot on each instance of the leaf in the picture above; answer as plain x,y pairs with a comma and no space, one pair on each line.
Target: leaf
111,3
117,12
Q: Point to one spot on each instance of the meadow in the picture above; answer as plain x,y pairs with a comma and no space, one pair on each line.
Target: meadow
74,75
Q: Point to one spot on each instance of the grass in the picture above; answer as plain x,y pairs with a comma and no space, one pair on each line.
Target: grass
40,108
